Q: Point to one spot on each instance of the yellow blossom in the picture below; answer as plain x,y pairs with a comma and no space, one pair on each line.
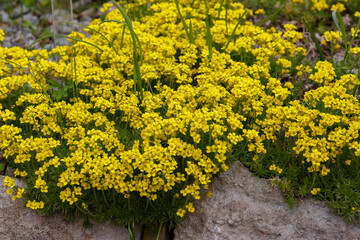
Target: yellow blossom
315,191
180,212
338,7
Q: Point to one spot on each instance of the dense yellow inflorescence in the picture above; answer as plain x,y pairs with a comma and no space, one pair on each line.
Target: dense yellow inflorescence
193,111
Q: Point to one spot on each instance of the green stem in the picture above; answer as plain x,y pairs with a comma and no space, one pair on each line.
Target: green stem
137,77
103,194
159,231
233,32
131,229
57,35
189,34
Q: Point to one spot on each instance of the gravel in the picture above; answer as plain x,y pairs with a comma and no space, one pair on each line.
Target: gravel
23,29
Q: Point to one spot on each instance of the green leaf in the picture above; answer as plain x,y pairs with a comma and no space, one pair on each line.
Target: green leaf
318,47
191,40
340,26
241,20
53,83
58,94
269,17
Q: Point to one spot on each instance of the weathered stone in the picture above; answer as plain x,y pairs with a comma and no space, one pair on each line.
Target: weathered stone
31,19
4,17
246,207
18,222
10,171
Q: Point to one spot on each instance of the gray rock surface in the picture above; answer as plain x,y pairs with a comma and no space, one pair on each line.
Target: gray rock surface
4,17
246,207
20,223
242,207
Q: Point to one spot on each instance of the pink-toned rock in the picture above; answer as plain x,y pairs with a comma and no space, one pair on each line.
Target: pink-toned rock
246,207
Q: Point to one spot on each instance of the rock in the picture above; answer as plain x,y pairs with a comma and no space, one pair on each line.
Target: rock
20,223
246,207
30,18
10,171
20,11
4,17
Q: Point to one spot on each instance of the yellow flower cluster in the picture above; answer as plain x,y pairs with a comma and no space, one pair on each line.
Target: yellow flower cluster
273,167
319,5
35,205
339,7
106,7
2,35
315,191
10,182
324,129
79,124
355,50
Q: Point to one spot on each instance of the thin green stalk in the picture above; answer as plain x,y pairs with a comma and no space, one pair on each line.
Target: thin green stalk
189,34
208,32
318,47
137,76
341,27
355,32
269,17
136,37
221,4
226,17
131,229
233,32
102,35
351,43
96,199
74,82
57,35
272,15
103,193
159,231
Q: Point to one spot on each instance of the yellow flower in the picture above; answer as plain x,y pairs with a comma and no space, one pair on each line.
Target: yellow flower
348,162
9,191
180,212
190,207
272,167
338,7
9,182
2,34
315,191
289,85
20,192
357,14
208,194
34,204
319,5
260,11
355,50
106,7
